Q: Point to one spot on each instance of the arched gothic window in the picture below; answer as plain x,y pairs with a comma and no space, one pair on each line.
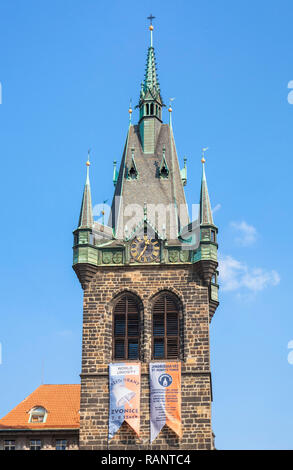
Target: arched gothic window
166,341
126,329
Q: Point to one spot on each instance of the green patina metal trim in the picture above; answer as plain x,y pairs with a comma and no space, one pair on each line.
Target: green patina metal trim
206,251
114,256
86,254
178,255
115,173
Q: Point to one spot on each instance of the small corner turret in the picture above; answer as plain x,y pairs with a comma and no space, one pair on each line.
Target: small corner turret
206,256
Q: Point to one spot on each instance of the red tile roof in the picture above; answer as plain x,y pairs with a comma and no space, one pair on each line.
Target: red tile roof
62,403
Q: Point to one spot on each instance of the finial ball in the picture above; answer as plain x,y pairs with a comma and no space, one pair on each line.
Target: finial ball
130,110
170,109
151,27
203,160
88,163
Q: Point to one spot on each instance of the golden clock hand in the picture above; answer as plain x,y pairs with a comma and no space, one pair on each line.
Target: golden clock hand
147,242
142,252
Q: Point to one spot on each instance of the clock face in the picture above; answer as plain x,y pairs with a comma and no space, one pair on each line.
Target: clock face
145,249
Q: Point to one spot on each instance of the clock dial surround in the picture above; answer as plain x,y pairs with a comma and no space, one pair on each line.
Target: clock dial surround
145,250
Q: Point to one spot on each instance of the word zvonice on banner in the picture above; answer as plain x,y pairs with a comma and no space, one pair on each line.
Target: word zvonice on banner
165,397
124,382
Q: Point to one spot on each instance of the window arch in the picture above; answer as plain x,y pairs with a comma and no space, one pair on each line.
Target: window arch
126,328
166,341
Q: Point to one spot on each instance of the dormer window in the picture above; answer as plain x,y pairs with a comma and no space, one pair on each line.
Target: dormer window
38,415
132,173
163,170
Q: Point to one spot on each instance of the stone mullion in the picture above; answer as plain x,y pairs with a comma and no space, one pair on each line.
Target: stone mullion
148,332
182,326
109,334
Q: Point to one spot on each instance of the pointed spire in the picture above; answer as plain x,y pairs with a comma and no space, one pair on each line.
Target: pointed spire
206,217
151,83
150,101
86,212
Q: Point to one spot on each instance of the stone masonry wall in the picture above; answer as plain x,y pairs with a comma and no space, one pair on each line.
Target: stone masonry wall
146,282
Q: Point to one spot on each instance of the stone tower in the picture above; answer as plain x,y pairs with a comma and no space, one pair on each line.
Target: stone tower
150,283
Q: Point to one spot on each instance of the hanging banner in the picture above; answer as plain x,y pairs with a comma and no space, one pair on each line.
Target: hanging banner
165,397
124,384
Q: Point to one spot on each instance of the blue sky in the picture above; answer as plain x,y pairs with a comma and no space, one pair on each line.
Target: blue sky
68,70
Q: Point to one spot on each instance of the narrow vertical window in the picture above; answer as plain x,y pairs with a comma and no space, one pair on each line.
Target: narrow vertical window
126,328
165,328
152,108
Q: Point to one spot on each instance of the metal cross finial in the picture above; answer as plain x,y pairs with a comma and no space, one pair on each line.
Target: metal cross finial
203,154
151,18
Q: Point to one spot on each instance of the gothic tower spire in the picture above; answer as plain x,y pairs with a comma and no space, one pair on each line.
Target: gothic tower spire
206,216
206,254
150,101
86,212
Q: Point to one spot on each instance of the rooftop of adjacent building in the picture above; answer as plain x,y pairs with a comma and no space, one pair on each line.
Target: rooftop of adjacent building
48,407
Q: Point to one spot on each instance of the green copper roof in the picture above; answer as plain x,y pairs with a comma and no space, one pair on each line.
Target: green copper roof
151,85
86,212
206,216
151,78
